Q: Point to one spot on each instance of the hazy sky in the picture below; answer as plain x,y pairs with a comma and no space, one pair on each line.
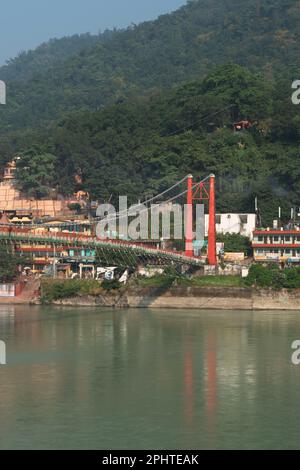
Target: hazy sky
24,24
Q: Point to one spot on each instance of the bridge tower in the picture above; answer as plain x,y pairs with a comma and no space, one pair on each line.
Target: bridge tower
212,255
201,192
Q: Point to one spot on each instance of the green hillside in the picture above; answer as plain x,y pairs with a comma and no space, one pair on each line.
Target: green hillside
88,72
142,146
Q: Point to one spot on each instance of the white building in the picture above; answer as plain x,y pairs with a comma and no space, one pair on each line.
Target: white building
243,224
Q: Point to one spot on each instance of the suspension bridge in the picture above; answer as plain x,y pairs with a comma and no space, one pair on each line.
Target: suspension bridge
117,252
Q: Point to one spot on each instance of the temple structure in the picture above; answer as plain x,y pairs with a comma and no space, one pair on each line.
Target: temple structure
22,208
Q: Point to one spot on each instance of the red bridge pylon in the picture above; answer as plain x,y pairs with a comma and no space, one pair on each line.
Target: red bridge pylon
204,191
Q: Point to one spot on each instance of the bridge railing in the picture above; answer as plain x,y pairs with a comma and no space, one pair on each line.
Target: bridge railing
87,240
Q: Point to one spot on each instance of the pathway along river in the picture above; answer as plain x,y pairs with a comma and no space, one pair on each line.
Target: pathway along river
137,379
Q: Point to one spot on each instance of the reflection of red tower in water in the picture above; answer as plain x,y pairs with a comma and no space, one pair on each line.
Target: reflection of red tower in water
211,382
210,392
188,386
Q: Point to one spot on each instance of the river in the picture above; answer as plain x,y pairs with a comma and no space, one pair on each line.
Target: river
148,379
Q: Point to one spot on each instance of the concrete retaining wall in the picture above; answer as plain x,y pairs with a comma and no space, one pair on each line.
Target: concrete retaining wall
194,298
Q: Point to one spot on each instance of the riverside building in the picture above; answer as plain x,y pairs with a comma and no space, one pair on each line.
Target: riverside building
277,245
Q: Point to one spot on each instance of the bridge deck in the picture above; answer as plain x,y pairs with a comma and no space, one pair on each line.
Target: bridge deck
116,246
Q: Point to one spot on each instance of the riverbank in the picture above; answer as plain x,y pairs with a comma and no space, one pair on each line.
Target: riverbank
215,298
211,295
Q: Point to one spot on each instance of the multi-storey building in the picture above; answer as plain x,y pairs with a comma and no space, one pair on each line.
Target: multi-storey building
41,255
282,245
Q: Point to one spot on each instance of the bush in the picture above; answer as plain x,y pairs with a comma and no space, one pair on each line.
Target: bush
272,276
58,290
262,276
74,206
235,243
110,285
291,278
55,289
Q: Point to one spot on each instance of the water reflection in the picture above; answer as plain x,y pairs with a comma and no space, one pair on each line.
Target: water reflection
148,379
211,383
189,387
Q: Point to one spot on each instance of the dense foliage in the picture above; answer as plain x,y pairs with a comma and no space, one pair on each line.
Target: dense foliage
60,289
273,276
151,133
142,146
235,243
89,72
9,263
36,173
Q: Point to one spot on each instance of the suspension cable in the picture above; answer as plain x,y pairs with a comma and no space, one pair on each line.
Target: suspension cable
117,215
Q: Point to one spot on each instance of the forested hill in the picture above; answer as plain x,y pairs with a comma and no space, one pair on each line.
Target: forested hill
49,54
88,72
142,146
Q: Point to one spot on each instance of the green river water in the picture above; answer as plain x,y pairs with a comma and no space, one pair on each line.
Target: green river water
148,379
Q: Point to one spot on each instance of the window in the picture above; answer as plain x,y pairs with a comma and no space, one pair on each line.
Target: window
276,238
260,238
287,238
218,219
287,252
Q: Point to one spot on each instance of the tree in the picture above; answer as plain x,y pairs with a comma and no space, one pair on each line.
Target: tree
90,72
36,173
235,243
248,93
9,263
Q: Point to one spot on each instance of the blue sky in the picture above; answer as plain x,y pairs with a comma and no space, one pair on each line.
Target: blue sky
24,24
